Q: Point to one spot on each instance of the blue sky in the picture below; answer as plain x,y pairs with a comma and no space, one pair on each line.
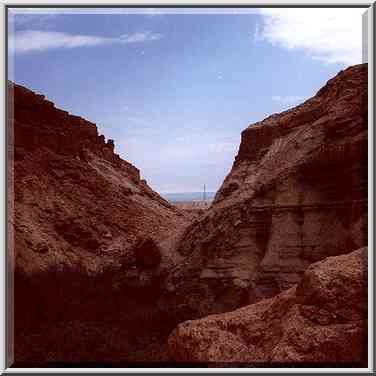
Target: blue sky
175,90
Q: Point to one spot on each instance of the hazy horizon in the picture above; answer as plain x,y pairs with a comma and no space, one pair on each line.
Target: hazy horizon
188,196
174,90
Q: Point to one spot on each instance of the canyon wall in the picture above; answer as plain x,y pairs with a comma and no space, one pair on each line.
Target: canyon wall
105,268
297,193
86,238
75,199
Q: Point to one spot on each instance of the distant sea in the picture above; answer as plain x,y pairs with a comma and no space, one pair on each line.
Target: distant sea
188,196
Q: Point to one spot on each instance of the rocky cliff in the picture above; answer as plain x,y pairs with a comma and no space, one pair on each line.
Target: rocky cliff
320,322
87,235
104,268
77,203
297,193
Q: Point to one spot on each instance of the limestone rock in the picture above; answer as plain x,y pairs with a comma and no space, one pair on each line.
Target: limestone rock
81,222
72,190
76,211
297,193
321,320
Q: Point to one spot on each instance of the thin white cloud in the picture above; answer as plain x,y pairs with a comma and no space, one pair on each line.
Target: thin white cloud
140,37
329,35
286,99
30,40
37,40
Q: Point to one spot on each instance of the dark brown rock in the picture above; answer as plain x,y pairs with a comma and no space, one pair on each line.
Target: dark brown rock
147,253
77,211
110,144
297,193
321,320
104,262
65,170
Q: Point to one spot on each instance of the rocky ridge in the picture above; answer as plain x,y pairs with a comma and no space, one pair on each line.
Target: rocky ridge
297,193
73,194
79,219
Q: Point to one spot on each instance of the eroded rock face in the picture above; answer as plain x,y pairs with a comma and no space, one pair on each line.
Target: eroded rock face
147,253
75,199
296,194
105,268
77,212
321,320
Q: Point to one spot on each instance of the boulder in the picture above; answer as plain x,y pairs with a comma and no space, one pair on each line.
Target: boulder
322,320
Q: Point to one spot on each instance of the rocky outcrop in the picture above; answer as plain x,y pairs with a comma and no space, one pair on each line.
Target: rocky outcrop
70,135
297,193
320,321
86,235
76,201
105,268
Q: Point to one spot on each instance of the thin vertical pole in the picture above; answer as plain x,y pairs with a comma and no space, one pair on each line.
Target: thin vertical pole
204,193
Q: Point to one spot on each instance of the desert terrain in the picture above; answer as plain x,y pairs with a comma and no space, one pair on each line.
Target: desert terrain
273,272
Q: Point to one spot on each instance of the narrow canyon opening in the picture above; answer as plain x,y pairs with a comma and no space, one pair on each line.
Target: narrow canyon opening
107,272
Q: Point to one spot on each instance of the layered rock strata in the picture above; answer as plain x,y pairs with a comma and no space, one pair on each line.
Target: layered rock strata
297,193
104,268
322,321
